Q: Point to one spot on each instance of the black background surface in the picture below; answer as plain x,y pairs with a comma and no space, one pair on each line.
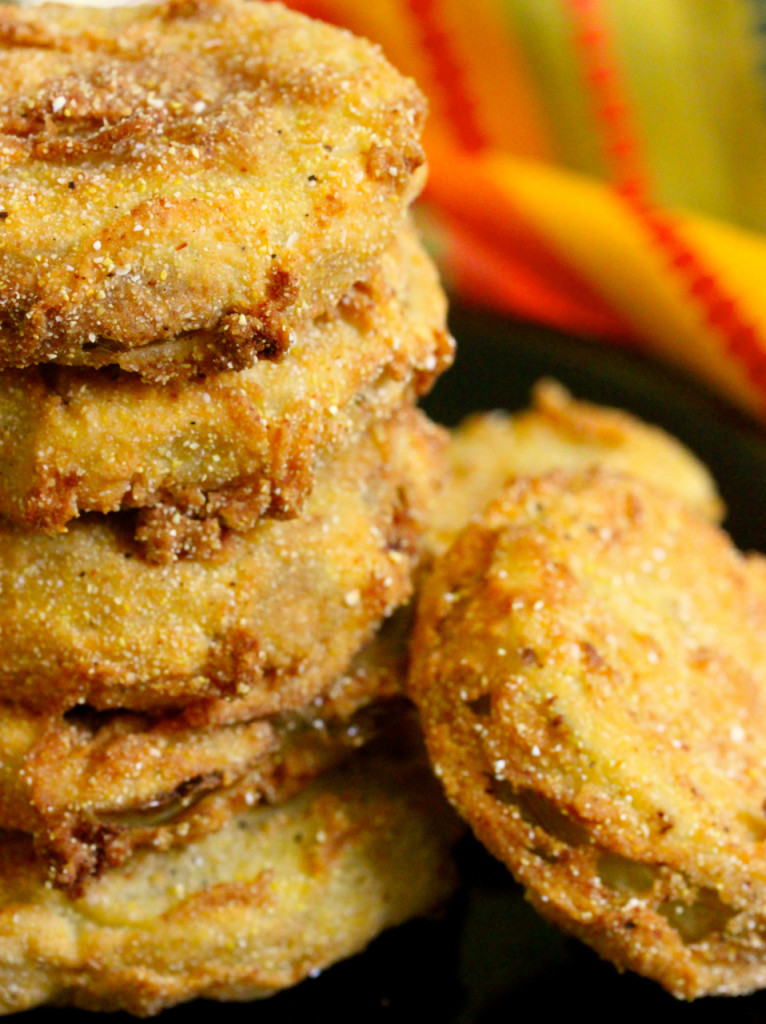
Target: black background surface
488,958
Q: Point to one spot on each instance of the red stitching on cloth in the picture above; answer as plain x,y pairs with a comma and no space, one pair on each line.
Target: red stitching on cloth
482,215
449,73
719,309
621,141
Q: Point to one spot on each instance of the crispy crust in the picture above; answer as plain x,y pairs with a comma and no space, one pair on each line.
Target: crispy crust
275,615
489,450
236,446
91,787
588,663
181,185
275,895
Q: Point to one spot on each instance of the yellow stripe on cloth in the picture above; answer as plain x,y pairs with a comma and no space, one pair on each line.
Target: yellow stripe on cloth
492,251
594,231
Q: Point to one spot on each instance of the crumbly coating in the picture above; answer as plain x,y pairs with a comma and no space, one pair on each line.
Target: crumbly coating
489,450
588,663
182,184
233,446
274,616
273,896
91,786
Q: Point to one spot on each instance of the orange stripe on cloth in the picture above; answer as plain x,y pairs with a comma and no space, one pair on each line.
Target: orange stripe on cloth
505,280
723,314
448,72
494,237
496,75
590,231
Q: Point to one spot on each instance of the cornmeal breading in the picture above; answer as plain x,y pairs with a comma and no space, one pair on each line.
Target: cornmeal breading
275,615
93,786
215,319
238,444
270,898
588,663
489,450
181,185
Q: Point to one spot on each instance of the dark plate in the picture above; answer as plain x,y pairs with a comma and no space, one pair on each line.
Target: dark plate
489,958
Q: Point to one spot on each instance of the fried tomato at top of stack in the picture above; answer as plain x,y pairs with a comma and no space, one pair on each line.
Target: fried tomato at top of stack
588,664
231,447
275,615
182,184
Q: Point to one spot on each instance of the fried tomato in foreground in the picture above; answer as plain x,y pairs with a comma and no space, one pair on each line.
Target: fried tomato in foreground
274,616
182,184
588,664
272,897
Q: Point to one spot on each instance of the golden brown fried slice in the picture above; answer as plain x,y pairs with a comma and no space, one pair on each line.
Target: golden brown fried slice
182,184
93,786
239,444
275,895
274,616
489,450
588,662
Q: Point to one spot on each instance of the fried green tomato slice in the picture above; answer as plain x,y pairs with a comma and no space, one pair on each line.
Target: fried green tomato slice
91,787
488,450
231,447
274,616
273,896
182,184
588,664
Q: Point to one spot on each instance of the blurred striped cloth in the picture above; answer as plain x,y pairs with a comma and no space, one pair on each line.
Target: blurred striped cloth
597,165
